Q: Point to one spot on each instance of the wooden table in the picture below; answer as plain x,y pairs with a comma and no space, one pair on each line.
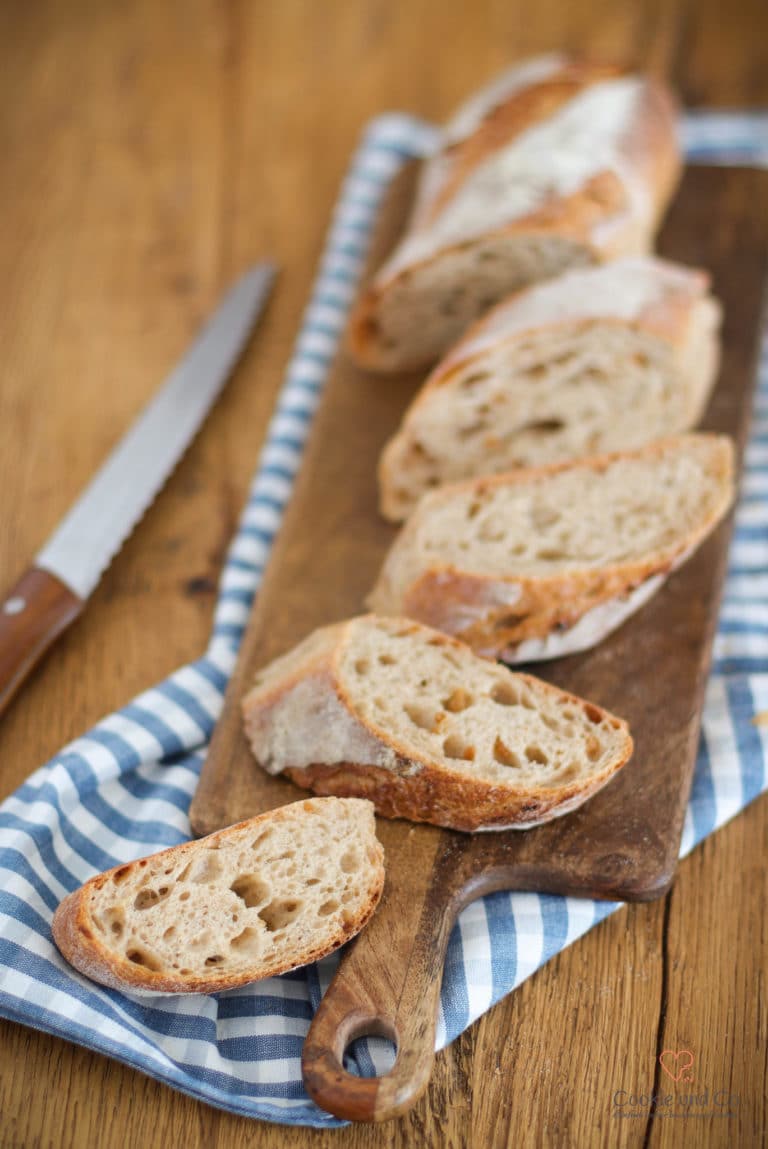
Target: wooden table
148,152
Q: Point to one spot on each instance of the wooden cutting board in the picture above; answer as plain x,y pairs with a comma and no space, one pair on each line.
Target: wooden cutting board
621,845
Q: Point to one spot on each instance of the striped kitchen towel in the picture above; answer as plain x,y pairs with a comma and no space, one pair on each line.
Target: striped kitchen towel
123,789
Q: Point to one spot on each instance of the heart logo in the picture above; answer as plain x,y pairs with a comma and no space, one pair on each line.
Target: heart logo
675,1062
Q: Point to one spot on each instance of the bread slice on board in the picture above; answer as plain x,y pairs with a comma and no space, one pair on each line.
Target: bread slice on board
547,561
556,164
600,359
393,711
256,899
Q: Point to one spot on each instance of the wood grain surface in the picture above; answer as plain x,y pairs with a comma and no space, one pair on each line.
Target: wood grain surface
149,153
624,843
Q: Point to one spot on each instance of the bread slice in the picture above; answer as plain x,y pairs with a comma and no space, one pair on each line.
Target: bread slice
256,899
556,164
544,562
605,358
398,713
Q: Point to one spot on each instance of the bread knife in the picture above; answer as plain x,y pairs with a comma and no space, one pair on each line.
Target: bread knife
53,591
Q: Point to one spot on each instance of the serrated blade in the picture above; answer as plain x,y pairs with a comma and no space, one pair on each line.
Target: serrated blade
95,528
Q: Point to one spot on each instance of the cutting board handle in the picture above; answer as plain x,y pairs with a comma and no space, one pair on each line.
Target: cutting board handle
355,1006
388,984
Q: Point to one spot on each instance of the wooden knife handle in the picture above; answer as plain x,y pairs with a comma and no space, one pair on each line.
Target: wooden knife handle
388,984
35,612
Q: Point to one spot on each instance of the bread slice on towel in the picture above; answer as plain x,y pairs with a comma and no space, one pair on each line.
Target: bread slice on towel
544,562
556,164
398,713
599,359
256,899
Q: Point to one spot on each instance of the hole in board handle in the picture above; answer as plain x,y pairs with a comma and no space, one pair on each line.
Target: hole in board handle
371,1050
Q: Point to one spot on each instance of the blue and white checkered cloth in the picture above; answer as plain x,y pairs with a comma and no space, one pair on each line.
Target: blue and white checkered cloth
123,790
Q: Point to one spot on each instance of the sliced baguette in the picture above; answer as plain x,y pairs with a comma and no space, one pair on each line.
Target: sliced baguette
257,899
544,562
556,164
605,358
393,711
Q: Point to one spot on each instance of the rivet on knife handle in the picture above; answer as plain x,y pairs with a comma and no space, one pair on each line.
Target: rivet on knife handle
34,613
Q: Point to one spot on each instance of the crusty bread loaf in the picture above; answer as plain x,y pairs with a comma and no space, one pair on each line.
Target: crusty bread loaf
256,899
398,713
556,164
600,359
543,562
